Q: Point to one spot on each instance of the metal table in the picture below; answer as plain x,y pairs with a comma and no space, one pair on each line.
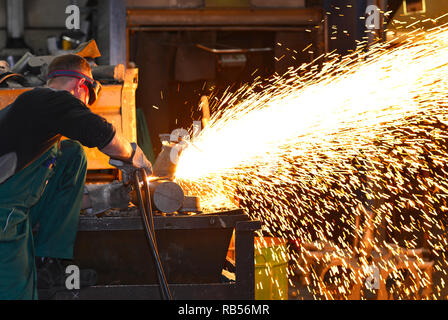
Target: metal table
192,249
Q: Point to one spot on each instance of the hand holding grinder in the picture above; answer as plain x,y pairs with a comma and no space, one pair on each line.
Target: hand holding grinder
138,160
166,195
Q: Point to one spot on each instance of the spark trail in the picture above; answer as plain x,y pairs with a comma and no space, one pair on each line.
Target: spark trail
320,146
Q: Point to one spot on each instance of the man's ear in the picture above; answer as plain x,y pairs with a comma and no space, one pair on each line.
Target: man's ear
79,86
80,83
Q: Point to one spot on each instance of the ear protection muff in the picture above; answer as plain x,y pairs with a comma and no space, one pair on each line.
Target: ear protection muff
93,86
86,88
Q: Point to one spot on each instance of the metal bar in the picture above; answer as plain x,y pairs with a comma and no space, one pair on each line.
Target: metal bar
244,258
218,28
232,50
157,17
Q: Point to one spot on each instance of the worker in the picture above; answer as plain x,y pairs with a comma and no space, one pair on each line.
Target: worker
42,178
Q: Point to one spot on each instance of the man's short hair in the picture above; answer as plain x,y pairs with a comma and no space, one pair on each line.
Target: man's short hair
70,62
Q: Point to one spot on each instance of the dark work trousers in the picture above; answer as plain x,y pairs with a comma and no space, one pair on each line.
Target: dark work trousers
47,192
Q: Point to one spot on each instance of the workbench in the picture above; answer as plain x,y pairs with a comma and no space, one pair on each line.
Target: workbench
192,248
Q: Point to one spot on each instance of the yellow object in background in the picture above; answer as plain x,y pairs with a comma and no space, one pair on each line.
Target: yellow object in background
271,269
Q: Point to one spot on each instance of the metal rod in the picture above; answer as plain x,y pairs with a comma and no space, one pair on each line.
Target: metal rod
145,210
232,50
149,206
218,28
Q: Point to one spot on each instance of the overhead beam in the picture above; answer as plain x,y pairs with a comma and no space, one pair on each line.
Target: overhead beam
221,17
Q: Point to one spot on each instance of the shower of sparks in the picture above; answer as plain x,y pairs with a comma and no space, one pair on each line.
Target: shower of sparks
319,150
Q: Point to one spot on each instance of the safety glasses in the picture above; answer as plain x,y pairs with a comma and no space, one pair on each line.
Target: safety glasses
93,86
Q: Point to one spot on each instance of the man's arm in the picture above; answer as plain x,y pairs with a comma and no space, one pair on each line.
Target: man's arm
131,157
71,118
118,148
129,154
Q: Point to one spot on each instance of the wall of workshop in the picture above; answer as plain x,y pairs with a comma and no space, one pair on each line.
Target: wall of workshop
42,19
2,23
345,27
216,3
170,85
164,3
173,74
434,9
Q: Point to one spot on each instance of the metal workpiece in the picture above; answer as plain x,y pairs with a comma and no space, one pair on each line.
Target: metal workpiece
191,204
164,165
99,198
167,196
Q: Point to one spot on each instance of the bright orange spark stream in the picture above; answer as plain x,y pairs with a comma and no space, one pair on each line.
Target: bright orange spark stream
287,153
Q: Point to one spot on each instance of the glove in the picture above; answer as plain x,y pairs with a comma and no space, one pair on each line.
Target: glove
138,160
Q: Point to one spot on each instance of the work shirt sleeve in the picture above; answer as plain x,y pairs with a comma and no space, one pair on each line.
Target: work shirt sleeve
71,118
